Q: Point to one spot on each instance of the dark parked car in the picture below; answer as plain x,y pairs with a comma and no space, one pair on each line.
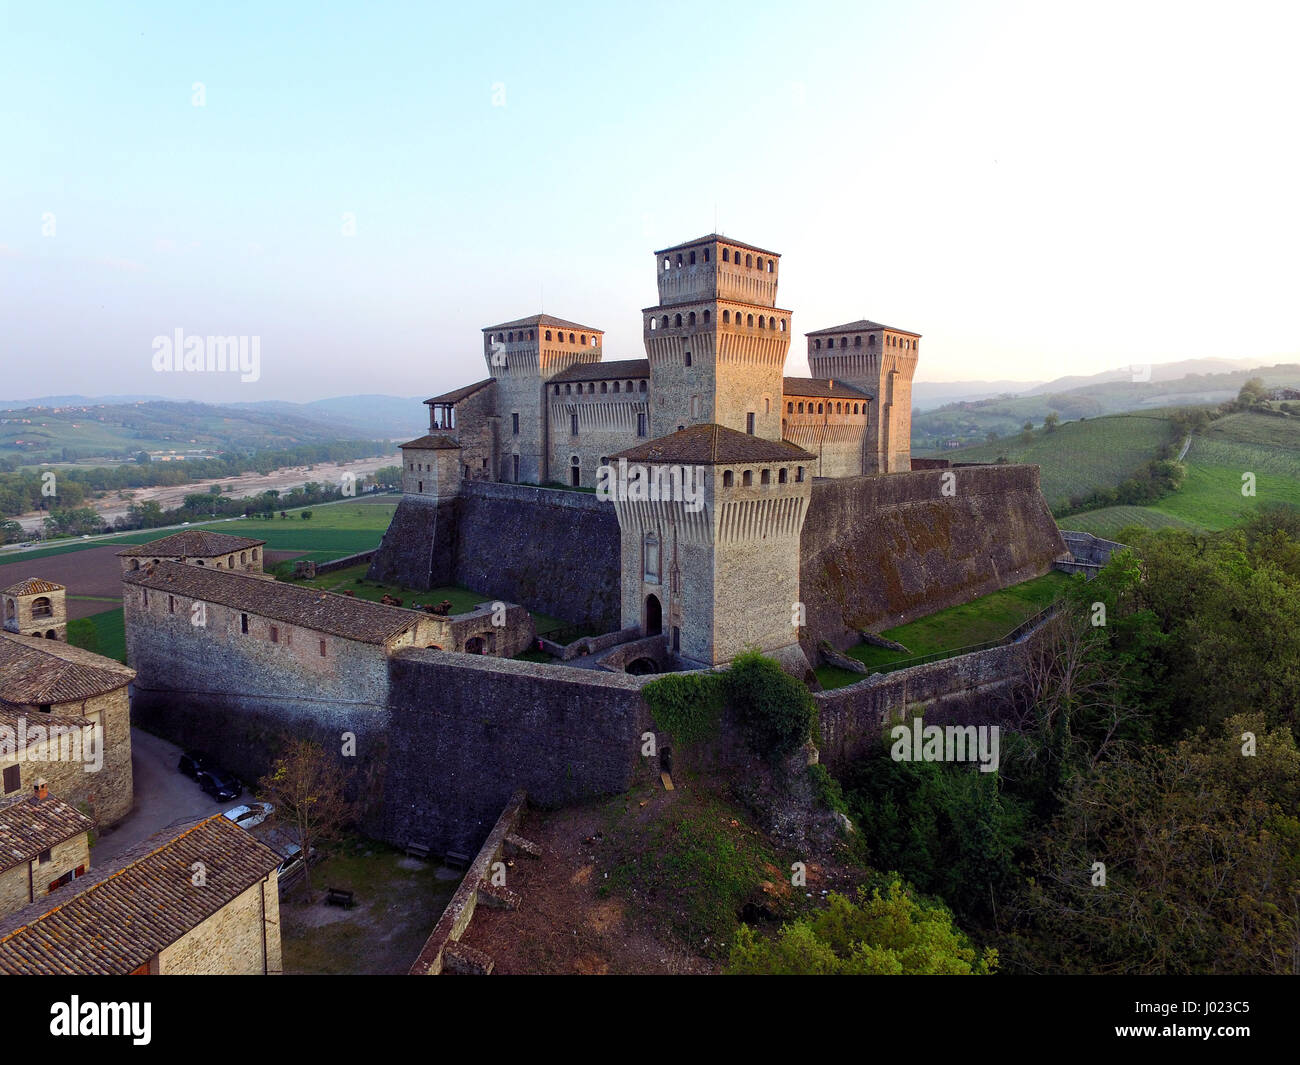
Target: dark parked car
220,785
194,762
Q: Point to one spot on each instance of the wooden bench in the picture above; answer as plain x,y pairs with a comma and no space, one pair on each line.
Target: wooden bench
417,850
338,897
456,860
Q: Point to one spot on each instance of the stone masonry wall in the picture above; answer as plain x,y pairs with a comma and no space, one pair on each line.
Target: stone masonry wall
468,732
879,551
240,939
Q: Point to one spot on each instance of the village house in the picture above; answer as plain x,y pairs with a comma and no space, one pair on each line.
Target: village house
44,844
198,547
199,898
65,716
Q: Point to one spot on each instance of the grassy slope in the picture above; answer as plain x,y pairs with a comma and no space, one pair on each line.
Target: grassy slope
109,634
1081,456
990,617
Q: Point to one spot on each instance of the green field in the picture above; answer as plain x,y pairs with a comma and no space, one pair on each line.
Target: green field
109,634
990,617
1211,497
333,531
1081,456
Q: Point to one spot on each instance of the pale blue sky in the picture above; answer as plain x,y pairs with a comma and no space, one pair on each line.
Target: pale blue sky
1036,188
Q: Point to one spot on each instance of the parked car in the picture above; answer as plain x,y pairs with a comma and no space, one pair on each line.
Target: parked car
194,762
249,815
220,785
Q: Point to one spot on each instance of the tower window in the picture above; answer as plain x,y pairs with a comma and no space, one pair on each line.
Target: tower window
515,467
857,342
573,424
677,321
789,408
570,338
747,479
783,325
688,358
583,339
728,479
691,318
706,317
726,317
760,262
726,255
642,388
749,261
548,334
798,473
782,475
801,407
749,426
766,477
640,425
844,342
679,258
749,320
575,472
770,267
615,386
514,423
692,258
762,323
667,264
243,622
665,321
706,255
604,387
654,322
817,345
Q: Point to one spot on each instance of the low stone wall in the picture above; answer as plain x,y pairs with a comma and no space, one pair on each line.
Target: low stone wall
1085,547
654,648
345,562
460,910
959,691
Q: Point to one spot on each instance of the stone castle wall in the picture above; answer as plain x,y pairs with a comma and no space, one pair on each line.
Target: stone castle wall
562,734
881,551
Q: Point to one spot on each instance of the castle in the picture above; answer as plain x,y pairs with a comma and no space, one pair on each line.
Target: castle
710,405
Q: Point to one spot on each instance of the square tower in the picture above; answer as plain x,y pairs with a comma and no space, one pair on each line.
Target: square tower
710,520
880,361
36,607
522,356
716,341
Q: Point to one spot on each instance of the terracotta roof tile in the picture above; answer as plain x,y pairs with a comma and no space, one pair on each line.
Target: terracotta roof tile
193,543
429,442
31,825
35,671
115,919
33,586
862,325
338,615
542,320
821,388
718,238
457,394
712,445
604,371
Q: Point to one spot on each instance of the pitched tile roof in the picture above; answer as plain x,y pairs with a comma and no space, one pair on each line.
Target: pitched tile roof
31,825
35,671
718,238
457,394
862,325
429,442
115,919
604,371
821,388
542,319
33,586
711,445
338,615
193,543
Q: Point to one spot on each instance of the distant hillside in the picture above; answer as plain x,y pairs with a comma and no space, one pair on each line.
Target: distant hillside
1081,456
117,432
970,423
389,417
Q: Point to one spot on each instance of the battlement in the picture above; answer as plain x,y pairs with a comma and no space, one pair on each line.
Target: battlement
714,267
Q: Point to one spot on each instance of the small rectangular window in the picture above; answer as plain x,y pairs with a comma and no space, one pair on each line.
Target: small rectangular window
749,423
171,604
275,634
12,780
322,648
573,425
514,422
640,425
243,622
43,857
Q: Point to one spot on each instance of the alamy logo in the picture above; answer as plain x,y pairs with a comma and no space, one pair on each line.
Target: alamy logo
102,1018
639,484
54,742
946,743
195,354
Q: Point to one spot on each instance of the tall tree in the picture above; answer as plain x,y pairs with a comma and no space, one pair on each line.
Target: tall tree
306,788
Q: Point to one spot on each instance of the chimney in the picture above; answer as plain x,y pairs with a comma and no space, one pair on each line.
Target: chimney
41,789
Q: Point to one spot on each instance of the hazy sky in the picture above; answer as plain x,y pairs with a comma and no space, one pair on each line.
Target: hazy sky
1036,188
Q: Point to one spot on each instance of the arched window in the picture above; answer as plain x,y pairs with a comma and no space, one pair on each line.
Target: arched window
819,409
548,334
706,317
871,342
747,479
690,320
782,475
726,317
510,338
769,266
557,390
789,408
762,322
677,321
593,342
749,261
499,338
615,386
688,358
665,321
749,320
726,255
604,387
679,258
857,342
568,390
667,264
844,342
839,408
692,258
728,479
855,408
642,388
783,325
583,340
706,255
570,338
766,478
530,334
653,321
817,345
800,406
629,387
759,264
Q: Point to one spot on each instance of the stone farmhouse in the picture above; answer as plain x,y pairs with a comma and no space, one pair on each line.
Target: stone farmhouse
44,844
199,898
198,547
65,717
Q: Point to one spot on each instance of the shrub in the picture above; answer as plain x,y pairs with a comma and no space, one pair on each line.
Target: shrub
776,712
688,706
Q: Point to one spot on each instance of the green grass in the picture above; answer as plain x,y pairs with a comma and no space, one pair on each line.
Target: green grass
352,579
990,617
1081,456
1210,498
108,634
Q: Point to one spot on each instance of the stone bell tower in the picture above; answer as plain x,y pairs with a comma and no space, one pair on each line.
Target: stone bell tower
36,607
716,340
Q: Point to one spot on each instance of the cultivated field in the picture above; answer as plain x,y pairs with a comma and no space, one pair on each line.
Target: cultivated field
1081,456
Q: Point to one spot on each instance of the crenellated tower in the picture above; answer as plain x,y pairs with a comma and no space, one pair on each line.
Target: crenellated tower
522,356
880,361
716,341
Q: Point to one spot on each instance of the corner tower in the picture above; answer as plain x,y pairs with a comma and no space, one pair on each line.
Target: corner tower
880,361
521,357
716,340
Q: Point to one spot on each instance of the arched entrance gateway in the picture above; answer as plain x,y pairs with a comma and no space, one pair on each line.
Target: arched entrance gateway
654,616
